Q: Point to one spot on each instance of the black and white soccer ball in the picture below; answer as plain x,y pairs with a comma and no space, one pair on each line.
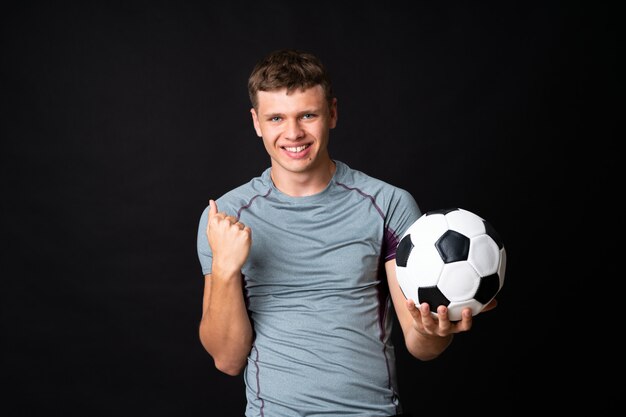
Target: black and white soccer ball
451,257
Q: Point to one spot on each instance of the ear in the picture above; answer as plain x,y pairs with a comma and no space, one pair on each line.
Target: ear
333,113
255,122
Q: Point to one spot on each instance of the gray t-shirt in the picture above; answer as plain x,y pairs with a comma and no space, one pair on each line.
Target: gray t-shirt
317,294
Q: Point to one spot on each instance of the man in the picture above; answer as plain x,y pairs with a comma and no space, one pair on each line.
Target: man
299,264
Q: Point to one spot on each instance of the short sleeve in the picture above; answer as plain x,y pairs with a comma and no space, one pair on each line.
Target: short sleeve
402,212
204,250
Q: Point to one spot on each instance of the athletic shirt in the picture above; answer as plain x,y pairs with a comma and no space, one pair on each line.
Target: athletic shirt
317,295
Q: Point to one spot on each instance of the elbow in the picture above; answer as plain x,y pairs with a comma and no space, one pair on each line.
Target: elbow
229,367
424,356
224,360
227,364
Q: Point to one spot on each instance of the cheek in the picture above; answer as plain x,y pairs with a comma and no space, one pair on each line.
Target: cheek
269,129
323,136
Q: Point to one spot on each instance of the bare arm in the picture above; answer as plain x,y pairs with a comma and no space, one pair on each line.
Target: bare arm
225,328
426,337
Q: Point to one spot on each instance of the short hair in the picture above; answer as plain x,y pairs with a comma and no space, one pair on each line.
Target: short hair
291,69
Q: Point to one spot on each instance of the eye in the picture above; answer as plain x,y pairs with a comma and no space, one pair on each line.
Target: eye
308,116
275,119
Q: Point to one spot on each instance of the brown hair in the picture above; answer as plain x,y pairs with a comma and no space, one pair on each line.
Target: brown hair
291,69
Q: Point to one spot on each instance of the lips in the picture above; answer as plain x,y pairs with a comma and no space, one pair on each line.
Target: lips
295,149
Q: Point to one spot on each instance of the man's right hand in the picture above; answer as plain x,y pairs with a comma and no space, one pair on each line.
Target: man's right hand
230,240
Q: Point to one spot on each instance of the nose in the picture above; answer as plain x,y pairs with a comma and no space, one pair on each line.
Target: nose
293,130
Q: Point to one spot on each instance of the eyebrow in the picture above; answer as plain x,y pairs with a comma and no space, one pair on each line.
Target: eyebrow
307,111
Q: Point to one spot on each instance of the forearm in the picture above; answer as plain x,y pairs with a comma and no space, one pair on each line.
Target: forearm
419,343
225,329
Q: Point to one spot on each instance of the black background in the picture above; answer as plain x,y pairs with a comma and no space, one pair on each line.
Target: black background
121,119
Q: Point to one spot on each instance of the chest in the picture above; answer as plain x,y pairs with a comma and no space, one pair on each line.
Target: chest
314,246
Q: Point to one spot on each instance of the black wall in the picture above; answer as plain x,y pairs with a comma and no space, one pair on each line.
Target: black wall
121,119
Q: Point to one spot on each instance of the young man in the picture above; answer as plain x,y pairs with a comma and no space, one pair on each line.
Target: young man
299,264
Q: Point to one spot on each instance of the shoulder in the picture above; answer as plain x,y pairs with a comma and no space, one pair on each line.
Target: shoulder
381,190
232,201
241,196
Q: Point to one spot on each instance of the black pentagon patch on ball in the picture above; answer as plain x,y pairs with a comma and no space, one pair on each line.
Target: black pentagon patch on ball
489,230
440,211
453,246
487,289
404,250
433,296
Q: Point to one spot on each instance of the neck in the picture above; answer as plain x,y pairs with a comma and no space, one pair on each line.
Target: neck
306,183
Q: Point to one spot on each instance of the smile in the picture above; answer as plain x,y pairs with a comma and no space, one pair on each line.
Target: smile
296,148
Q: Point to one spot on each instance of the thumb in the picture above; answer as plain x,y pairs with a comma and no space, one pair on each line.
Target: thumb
212,208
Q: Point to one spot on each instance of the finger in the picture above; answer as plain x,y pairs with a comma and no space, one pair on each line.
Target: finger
426,315
442,311
413,309
424,309
466,320
442,314
429,321
212,208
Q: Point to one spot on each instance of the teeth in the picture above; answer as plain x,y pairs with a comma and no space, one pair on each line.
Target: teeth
296,148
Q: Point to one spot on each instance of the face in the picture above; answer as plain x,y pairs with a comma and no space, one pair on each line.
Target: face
295,128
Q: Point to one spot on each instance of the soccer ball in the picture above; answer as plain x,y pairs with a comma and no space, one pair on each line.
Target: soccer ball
451,257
